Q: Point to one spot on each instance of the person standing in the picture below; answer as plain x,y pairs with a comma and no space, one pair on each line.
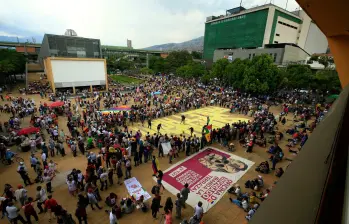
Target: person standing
155,165
71,185
155,205
21,194
198,211
103,178
178,204
33,161
184,193
112,217
30,211
119,172
51,206
13,215
80,211
92,199
149,122
41,197
128,168
23,172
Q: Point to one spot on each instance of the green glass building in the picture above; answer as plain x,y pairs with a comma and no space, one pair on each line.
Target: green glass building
253,28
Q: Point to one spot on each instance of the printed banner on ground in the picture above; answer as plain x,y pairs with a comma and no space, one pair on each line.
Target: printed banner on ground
166,147
209,173
135,188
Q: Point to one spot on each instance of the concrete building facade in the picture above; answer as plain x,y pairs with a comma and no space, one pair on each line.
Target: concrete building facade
260,26
282,54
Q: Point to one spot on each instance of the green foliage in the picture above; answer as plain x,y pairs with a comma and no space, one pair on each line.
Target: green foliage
299,76
174,60
125,79
324,60
118,62
11,62
191,70
205,79
196,55
219,67
327,80
147,71
177,59
234,73
262,76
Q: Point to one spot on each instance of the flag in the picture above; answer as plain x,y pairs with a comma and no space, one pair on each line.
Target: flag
209,127
208,137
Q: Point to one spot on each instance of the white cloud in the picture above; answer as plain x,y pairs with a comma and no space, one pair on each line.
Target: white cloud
3,33
145,22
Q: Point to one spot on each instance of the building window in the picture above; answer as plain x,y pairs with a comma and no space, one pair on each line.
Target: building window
275,57
253,55
249,56
277,35
276,42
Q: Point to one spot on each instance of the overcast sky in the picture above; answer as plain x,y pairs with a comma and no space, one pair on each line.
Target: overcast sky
145,22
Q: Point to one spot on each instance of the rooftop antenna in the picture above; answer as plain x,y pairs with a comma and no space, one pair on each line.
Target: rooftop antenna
240,3
286,4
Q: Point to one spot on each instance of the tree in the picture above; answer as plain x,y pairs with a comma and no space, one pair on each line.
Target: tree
219,67
262,76
327,80
146,71
191,70
206,78
234,73
299,76
196,55
177,59
11,63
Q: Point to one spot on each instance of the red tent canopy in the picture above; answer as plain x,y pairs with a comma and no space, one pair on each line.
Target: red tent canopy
28,130
57,104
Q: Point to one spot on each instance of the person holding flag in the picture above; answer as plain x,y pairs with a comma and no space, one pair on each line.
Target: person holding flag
207,132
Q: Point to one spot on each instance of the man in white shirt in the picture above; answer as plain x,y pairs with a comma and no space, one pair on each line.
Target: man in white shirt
21,194
112,217
12,213
198,211
44,158
41,197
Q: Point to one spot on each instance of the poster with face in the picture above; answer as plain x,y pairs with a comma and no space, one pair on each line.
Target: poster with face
209,174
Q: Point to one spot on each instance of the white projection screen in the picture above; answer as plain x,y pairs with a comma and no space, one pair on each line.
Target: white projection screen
69,73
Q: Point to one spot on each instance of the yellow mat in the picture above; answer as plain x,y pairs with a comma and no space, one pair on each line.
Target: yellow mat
194,118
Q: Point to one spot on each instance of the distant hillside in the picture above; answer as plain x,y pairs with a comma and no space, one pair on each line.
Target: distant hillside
191,45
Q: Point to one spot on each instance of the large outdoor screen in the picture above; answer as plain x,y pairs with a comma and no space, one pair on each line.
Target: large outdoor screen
69,73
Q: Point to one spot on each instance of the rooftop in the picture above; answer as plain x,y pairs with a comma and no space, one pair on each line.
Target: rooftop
241,11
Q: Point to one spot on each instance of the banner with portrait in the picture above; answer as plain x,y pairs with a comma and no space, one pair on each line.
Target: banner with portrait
209,173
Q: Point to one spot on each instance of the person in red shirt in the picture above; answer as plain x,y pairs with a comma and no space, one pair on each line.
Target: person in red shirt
30,211
51,205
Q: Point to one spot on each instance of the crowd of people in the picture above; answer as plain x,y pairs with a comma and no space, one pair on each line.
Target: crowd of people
117,144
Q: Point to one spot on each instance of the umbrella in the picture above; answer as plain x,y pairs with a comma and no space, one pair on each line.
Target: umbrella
57,104
28,130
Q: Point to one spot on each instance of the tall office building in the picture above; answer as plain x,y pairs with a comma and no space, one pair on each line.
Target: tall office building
260,26
129,43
